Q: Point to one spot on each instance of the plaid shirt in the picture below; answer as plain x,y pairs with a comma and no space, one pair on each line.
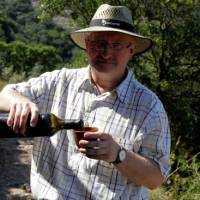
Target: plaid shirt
131,113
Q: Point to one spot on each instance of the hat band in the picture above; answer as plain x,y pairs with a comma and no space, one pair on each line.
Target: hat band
112,23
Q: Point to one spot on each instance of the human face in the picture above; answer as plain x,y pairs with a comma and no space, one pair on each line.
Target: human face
109,52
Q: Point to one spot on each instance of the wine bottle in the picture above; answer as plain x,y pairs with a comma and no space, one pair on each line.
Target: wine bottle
48,124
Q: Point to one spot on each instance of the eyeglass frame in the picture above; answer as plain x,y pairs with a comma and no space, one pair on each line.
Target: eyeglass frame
106,45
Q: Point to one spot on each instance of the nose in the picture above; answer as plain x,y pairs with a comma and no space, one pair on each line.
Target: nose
106,52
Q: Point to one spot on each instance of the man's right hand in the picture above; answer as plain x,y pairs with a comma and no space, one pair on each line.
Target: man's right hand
19,113
19,108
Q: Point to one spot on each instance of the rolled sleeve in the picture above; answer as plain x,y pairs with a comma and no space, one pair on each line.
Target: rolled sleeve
155,143
37,89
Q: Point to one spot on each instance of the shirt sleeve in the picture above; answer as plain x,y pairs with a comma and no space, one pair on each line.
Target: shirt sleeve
39,90
156,138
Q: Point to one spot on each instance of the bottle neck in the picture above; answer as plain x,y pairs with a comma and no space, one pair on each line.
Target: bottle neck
57,123
73,124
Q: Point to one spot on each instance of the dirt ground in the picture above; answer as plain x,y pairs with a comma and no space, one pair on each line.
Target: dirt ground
15,160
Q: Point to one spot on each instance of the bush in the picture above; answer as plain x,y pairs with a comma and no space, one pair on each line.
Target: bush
19,58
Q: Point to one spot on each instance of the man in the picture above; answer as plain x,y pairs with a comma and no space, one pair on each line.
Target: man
131,150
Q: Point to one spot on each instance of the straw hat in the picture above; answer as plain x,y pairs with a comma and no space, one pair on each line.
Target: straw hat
112,18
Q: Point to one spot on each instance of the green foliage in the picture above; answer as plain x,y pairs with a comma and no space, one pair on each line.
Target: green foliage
7,27
18,59
78,60
19,21
186,179
85,9
2,83
183,182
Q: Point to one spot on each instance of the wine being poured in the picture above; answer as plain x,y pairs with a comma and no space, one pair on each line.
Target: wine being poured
48,124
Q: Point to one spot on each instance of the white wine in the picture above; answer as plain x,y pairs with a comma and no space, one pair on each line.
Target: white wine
48,124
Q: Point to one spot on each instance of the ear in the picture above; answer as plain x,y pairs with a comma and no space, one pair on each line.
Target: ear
86,44
132,50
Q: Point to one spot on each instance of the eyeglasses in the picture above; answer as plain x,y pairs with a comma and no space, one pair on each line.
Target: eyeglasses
99,45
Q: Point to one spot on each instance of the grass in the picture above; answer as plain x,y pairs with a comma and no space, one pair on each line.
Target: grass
183,182
159,194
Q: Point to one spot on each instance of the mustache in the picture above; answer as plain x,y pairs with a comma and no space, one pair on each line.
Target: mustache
100,59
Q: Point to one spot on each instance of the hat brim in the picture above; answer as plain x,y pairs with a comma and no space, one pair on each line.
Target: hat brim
142,43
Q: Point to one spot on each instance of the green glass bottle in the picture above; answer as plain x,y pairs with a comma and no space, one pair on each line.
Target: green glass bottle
48,124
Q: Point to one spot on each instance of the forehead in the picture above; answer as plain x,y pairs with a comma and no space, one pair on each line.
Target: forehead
107,35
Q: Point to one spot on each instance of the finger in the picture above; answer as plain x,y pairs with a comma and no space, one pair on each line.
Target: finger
17,118
105,136
34,116
100,157
98,154
93,151
93,143
11,115
97,135
24,117
88,144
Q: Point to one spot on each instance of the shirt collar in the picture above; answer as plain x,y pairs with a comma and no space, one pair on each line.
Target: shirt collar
121,90
124,87
85,82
